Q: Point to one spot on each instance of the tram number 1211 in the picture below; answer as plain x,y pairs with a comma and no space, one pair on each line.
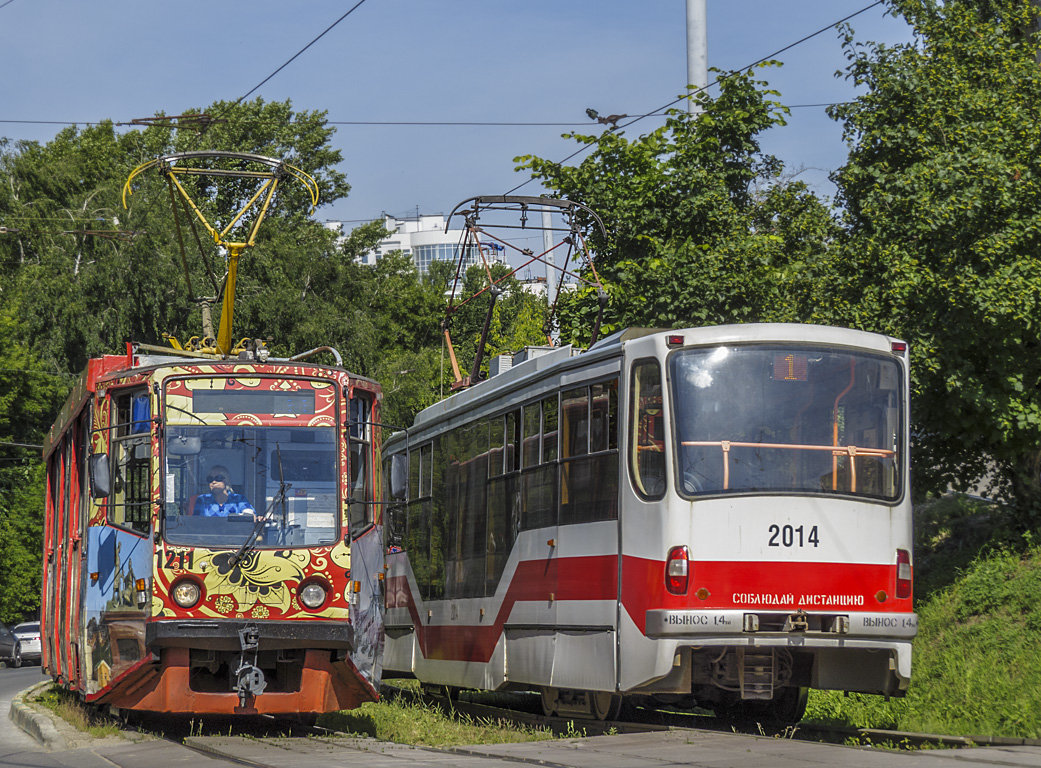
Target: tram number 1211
793,536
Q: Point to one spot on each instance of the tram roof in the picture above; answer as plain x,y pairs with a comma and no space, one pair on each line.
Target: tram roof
543,363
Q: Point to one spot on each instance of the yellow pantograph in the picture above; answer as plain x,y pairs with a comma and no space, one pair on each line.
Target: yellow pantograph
183,164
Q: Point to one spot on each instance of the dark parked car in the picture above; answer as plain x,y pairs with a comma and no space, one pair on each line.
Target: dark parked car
10,648
28,634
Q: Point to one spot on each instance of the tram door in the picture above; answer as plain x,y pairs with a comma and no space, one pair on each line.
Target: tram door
587,537
366,537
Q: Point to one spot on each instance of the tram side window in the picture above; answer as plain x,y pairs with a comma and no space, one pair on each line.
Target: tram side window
647,436
539,472
513,441
503,504
495,447
466,511
532,419
396,516
589,454
435,514
130,501
360,437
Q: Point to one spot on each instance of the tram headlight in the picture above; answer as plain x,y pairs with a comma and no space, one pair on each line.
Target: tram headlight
312,595
186,593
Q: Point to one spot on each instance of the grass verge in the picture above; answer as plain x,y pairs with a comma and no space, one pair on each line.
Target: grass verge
72,710
976,667
406,722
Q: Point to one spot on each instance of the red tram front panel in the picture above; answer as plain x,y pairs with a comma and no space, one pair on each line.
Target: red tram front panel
238,594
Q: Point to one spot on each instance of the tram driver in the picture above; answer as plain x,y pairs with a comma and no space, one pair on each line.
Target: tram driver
221,500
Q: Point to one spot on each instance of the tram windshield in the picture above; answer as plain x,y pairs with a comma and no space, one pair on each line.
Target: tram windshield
221,479
786,419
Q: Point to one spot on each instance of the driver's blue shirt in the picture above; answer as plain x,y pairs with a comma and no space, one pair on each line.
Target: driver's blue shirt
207,506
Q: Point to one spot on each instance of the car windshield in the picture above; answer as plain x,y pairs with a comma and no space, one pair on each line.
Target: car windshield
220,479
786,419
27,628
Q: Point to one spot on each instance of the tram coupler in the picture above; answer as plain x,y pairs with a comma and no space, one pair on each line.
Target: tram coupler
796,622
249,678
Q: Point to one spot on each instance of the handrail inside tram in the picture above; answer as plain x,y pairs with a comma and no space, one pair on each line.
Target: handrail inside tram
852,451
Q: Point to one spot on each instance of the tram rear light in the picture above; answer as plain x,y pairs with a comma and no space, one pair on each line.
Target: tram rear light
677,571
903,573
186,593
674,340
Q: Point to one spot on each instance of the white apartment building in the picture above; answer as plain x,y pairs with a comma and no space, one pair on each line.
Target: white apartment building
423,237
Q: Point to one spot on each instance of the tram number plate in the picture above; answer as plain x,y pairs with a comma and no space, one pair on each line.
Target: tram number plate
793,536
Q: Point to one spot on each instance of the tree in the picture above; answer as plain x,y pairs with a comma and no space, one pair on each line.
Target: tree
29,397
703,227
80,295
942,196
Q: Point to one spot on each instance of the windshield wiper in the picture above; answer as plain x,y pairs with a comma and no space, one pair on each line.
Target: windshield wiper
187,413
280,498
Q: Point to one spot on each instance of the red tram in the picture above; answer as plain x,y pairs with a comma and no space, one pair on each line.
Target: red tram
714,516
150,601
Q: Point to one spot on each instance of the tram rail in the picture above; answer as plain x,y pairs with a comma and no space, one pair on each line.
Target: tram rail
642,720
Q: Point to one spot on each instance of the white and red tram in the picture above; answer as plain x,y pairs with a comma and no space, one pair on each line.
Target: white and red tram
715,516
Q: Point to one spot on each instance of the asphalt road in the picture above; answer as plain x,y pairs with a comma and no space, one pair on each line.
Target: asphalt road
18,748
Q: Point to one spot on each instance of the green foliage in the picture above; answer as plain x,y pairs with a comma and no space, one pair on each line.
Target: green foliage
942,198
29,398
703,228
415,723
21,537
79,295
976,668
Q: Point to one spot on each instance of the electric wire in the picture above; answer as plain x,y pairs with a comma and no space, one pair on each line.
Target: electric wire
285,64
414,123
718,80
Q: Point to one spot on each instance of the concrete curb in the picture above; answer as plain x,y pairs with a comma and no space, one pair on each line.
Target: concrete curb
37,724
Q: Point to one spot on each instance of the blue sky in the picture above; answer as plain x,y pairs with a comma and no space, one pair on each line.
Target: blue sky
409,60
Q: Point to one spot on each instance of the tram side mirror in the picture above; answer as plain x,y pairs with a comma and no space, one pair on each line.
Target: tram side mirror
398,476
100,482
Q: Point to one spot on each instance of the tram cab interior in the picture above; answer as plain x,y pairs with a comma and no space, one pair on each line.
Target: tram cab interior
287,475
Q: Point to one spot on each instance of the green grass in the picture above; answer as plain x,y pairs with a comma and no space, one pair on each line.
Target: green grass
976,669
72,710
410,723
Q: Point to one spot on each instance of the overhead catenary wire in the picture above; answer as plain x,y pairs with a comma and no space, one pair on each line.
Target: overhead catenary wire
718,80
285,64
414,123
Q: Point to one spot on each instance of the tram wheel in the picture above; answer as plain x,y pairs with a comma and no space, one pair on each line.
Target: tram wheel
604,705
788,706
550,701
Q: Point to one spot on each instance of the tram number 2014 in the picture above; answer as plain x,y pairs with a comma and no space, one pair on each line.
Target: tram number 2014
793,536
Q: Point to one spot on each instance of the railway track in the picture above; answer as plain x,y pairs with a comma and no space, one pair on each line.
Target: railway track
271,742
640,720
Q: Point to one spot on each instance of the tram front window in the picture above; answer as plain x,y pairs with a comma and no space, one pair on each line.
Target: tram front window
786,419
219,480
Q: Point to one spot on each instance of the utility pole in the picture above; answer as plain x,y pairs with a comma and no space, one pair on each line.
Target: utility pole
547,244
697,48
